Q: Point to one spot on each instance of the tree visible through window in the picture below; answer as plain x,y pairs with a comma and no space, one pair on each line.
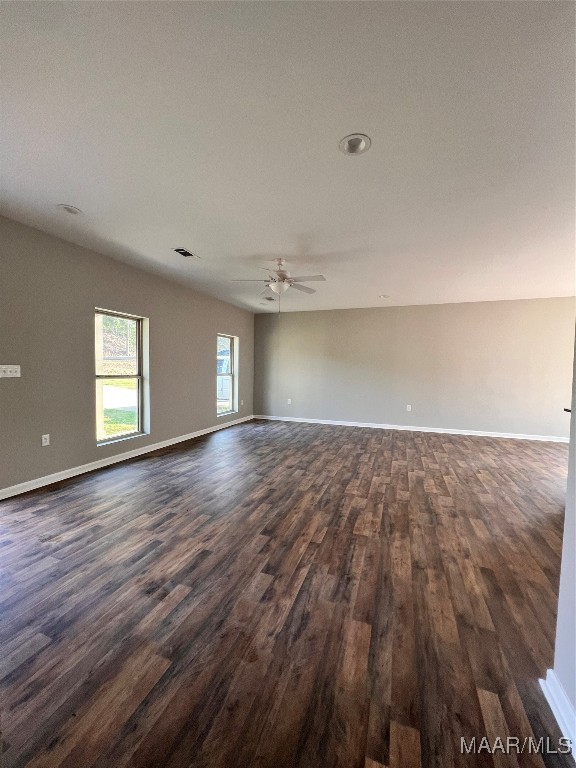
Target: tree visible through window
225,375
118,376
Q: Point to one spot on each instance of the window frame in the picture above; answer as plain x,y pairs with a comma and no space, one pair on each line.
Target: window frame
139,376
232,375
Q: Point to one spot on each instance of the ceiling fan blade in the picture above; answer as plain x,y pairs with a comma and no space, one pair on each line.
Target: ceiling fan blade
248,281
303,288
309,279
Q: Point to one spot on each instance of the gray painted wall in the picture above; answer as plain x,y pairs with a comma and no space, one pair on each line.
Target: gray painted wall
48,291
502,366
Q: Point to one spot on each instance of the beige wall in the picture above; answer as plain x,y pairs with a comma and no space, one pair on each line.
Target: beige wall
501,366
48,292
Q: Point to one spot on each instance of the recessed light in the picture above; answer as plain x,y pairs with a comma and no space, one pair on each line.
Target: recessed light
383,296
355,144
69,208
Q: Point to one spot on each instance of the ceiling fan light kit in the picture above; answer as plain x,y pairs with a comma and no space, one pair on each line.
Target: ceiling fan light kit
279,287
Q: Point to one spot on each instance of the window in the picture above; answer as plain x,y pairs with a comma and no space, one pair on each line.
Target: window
119,383
225,374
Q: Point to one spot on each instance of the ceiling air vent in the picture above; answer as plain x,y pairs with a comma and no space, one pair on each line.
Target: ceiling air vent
186,254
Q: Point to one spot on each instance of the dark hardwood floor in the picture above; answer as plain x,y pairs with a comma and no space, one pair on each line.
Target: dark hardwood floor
284,596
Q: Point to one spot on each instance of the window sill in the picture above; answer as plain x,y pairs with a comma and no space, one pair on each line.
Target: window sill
228,413
120,439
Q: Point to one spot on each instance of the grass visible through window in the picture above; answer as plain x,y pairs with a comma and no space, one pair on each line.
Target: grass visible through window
119,421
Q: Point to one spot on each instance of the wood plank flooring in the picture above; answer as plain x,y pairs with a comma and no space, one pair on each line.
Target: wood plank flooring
283,595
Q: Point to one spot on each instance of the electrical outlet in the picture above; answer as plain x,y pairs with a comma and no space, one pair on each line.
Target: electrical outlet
241,402
45,440
408,407
9,371
289,401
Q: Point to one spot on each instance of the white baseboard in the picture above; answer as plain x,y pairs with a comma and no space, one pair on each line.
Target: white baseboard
545,438
31,485
561,706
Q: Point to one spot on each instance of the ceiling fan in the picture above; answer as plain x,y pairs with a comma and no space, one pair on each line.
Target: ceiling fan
280,280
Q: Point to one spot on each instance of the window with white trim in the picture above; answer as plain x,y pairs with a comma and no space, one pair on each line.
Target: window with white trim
226,352
119,377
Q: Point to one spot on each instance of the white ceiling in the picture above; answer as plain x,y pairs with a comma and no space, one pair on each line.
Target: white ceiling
215,127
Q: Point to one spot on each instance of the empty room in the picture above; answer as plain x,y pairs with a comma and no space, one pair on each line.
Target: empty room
287,335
